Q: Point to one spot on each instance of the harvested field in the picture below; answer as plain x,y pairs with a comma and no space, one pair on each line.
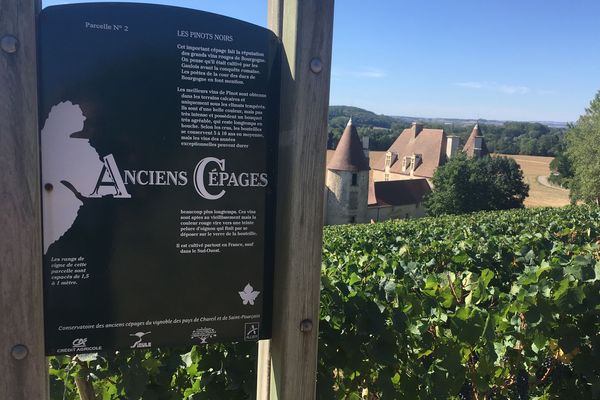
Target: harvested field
540,195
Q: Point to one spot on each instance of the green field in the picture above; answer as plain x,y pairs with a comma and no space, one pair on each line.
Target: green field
493,305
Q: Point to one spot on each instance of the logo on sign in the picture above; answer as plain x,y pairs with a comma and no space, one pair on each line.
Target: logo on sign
248,295
203,334
251,331
78,343
140,344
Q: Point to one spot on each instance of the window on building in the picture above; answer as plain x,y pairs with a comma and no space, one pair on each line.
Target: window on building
418,159
354,179
352,219
386,176
406,163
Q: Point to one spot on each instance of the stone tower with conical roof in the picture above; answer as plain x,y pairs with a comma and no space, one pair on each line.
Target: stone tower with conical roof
475,145
347,181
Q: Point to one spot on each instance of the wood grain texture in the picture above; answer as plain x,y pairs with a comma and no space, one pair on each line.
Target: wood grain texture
21,319
305,29
263,378
85,388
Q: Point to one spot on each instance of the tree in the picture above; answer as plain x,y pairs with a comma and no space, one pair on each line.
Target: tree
465,185
583,150
562,170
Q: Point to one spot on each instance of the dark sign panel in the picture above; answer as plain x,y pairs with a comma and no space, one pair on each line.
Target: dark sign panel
158,135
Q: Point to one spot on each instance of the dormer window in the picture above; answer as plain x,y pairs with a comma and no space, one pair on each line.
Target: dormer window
410,163
390,158
418,159
406,163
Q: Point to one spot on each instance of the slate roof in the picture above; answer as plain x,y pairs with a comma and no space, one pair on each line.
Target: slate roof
397,193
469,148
349,154
430,143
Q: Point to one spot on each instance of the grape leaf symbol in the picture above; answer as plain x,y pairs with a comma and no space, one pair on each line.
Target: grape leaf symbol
249,295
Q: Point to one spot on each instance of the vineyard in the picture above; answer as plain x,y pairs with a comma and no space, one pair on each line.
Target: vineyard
496,305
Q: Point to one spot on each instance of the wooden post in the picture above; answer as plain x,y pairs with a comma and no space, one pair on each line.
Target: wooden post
85,388
23,371
305,28
263,378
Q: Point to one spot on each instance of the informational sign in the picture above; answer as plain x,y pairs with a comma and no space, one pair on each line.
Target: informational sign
158,136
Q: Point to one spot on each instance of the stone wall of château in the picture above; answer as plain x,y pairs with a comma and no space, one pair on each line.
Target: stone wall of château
347,203
408,211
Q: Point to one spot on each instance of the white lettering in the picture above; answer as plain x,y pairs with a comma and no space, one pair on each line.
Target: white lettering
199,178
110,177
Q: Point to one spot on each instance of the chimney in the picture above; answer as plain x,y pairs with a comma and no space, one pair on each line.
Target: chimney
416,128
365,146
452,143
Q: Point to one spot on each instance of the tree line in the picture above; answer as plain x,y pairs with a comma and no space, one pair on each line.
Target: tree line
525,138
577,167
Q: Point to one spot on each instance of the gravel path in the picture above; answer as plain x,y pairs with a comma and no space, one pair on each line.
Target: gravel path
543,180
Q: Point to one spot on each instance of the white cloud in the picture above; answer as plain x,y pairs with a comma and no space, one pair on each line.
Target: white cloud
364,72
495,87
371,73
470,85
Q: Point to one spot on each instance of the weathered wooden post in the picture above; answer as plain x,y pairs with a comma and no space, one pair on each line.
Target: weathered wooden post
305,29
23,373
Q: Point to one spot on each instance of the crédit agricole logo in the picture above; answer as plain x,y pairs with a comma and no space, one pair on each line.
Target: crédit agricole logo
74,171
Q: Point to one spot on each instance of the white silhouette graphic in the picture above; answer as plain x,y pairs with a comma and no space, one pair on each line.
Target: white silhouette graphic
69,165
139,343
249,295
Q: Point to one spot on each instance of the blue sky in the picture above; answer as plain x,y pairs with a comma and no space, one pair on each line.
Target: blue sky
493,59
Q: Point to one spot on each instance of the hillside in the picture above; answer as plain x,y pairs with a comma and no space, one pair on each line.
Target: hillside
338,116
461,121
372,119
